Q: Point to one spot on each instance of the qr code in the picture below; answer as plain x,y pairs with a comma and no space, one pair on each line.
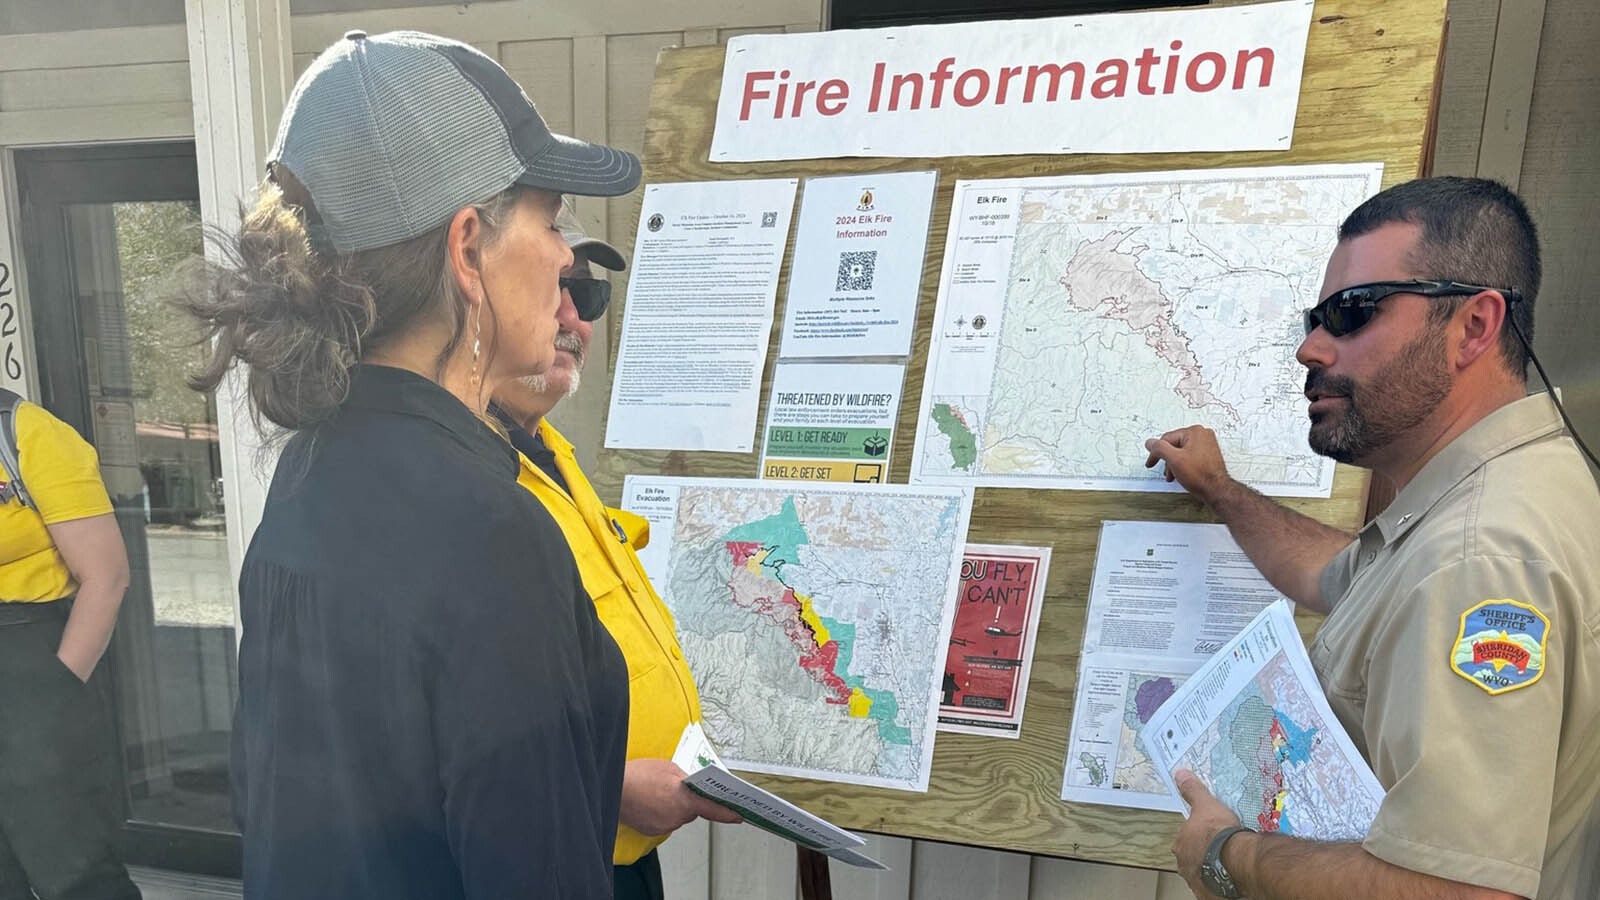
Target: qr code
769,220
855,270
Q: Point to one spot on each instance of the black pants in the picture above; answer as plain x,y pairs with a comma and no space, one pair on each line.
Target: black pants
58,800
642,880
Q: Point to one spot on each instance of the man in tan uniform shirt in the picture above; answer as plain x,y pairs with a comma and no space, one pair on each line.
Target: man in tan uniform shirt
1462,646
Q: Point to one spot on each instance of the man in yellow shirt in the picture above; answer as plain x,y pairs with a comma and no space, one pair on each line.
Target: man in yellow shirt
58,804
662,696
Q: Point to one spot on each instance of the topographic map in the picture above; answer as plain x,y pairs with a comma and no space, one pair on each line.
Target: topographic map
814,619
1146,693
1105,761
1254,725
1267,759
1079,316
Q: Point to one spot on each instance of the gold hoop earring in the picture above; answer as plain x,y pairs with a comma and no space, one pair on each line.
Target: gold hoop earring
477,329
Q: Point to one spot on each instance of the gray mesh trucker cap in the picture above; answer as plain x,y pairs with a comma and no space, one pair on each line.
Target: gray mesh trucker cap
594,249
392,134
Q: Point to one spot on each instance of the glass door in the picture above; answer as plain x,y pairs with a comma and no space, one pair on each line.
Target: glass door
103,230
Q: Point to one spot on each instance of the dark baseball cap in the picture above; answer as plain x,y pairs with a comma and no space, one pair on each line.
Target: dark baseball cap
392,134
594,249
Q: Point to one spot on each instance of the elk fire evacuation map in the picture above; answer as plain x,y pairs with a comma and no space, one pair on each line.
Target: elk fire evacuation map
814,618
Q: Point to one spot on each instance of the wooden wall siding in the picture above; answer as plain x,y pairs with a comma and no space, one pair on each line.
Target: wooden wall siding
544,69
535,19
95,85
94,48
630,69
695,866
1469,51
1560,178
134,83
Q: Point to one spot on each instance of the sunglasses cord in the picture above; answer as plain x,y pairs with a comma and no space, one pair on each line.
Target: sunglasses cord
1571,429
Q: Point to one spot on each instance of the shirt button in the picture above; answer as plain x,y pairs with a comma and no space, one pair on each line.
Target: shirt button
676,653
1371,556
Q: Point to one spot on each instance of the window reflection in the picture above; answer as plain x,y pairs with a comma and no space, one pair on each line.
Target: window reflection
175,649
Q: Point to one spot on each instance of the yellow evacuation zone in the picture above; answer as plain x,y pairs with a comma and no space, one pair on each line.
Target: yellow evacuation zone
860,704
819,631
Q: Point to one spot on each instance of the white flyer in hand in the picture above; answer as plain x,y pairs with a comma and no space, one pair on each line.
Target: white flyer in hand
761,808
1254,725
694,750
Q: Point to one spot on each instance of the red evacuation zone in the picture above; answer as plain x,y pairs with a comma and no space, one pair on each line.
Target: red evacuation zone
818,662
1270,814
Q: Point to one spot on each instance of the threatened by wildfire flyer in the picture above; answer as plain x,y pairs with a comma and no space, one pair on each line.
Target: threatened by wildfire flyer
992,639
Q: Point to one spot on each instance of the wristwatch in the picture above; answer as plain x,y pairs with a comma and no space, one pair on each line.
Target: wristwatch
1213,874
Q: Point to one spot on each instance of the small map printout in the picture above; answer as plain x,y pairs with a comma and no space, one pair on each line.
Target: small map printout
1165,597
1254,725
1079,316
814,617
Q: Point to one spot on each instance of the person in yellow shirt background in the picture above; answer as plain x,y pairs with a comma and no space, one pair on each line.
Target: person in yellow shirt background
63,571
662,696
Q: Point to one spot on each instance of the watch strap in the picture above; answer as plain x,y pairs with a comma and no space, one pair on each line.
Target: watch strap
1215,875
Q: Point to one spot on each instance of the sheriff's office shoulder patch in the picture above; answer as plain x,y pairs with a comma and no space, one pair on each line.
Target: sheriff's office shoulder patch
1500,646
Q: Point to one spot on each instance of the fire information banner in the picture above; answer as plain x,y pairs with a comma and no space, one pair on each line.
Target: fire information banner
1147,82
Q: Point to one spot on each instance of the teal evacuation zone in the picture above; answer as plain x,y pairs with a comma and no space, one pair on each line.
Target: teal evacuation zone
781,533
1299,741
885,708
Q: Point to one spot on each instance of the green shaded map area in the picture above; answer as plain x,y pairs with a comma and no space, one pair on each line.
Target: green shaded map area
963,444
781,534
1091,765
885,708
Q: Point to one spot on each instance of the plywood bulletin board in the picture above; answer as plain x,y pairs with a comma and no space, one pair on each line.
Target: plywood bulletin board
1368,94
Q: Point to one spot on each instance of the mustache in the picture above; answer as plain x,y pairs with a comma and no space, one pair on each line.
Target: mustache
1318,381
570,342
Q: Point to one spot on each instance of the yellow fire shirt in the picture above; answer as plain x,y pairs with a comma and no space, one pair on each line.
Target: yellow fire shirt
662,696
62,473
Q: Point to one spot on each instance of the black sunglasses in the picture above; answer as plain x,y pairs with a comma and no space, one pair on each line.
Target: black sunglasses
1347,310
589,295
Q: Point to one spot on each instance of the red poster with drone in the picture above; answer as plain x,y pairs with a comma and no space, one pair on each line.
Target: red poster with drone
991,641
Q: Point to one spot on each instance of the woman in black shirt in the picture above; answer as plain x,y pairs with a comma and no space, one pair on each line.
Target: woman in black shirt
428,706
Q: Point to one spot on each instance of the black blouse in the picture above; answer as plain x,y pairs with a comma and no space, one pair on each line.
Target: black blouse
428,706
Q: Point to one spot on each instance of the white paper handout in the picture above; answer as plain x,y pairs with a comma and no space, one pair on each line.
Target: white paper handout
707,777
813,616
1079,316
699,313
857,267
1254,725
831,421
1165,597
